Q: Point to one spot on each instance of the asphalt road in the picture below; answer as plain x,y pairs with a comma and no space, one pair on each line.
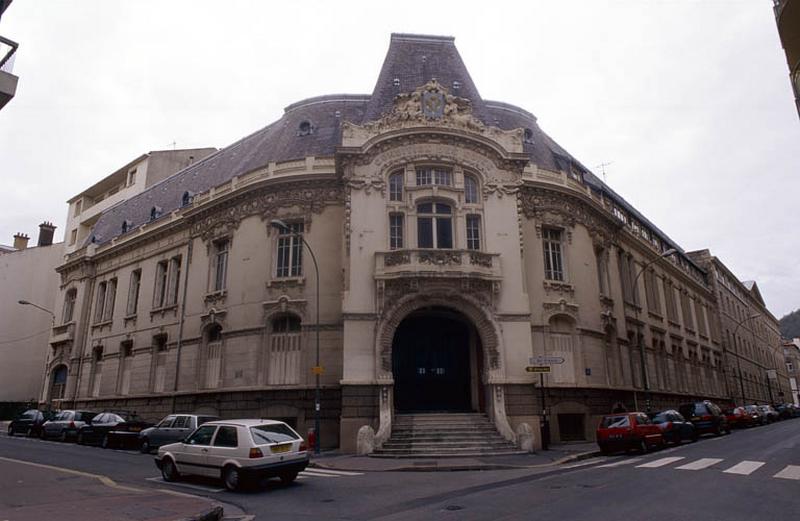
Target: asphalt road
750,475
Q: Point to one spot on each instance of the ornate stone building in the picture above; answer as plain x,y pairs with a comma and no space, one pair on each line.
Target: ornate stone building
456,241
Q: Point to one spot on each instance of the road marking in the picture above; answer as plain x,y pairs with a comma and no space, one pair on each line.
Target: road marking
660,462
790,472
309,473
581,464
334,472
702,463
628,461
105,480
204,488
745,468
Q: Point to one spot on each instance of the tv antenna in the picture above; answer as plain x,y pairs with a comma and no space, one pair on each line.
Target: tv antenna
602,167
172,144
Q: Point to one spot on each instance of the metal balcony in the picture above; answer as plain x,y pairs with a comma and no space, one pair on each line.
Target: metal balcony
8,82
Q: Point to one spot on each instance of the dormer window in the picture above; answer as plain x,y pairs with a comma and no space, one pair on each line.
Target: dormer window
305,128
155,213
527,136
126,226
186,199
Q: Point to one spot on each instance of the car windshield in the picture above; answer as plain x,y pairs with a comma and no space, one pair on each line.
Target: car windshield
661,418
612,422
273,433
205,419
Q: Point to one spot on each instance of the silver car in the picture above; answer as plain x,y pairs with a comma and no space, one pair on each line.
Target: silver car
66,424
174,427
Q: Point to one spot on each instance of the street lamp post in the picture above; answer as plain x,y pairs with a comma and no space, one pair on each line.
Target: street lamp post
282,226
645,383
52,325
738,360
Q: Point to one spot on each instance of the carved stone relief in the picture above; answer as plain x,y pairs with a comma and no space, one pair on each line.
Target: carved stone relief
558,209
284,304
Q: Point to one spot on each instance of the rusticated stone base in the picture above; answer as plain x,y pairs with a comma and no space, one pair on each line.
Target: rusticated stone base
294,406
360,406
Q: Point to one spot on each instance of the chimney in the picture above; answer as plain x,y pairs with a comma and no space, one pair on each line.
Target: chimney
20,241
46,230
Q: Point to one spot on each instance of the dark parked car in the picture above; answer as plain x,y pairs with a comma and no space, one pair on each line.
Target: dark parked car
674,427
629,430
706,417
787,410
65,425
29,422
171,429
113,429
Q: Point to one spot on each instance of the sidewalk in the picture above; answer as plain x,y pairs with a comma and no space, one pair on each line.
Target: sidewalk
32,492
558,454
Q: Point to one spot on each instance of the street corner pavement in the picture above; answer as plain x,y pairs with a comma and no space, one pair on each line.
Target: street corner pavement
33,492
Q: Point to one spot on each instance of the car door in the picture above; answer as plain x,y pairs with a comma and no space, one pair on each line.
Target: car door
160,434
224,447
89,431
181,428
193,455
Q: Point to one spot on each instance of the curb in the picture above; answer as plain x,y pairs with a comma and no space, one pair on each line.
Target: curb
213,514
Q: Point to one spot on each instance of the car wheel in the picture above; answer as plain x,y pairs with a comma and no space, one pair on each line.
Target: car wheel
231,478
288,477
29,432
144,448
42,434
63,436
643,448
718,431
10,430
80,439
169,471
104,442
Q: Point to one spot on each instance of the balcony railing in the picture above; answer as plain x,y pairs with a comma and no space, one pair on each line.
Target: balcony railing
437,263
7,50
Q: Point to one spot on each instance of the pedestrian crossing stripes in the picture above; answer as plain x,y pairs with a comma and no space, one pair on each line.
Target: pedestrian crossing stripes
742,468
314,472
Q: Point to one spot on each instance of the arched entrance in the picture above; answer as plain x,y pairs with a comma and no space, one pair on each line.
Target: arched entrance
436,361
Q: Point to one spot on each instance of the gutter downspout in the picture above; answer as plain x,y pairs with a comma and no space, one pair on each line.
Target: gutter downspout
180,323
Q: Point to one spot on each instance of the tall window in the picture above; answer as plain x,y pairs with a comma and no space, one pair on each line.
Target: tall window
213,361
651,291
125,366
434,225
59,387
669,296
470,189
395,231
219,264
104,305
553,254
174,280
602,270
97,371
133,292
69,306
686,308
434,176
396,186
473,232
284,351
627,270
290,250
159,363
160,293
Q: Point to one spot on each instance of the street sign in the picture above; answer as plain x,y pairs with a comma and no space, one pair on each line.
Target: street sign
317,369
546,360
538,369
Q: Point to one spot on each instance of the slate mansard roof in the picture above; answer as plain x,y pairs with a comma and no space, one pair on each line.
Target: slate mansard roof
411,61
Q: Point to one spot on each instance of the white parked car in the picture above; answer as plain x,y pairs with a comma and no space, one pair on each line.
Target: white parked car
236,451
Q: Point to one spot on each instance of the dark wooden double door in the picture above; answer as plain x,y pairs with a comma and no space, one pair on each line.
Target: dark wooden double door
431,364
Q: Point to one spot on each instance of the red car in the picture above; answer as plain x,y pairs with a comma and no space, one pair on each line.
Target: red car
739,417
628,430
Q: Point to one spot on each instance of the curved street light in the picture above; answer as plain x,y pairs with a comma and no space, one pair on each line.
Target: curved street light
283,227
23,302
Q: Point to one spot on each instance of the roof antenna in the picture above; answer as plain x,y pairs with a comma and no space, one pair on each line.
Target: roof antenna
172,144
602,167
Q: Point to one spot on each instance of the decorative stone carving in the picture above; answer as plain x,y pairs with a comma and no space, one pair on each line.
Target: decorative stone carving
310,197
525,437
397,258
365,440
213,316
500,187
367,184
558,288
477,258
439,257
284,304
563,210
561,307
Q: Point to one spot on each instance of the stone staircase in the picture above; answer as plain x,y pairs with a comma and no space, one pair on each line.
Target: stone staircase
444,435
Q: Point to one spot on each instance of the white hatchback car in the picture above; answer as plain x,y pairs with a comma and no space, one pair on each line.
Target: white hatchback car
236,451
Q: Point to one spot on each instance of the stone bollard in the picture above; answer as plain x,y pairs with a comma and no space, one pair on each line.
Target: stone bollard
525,437
365,440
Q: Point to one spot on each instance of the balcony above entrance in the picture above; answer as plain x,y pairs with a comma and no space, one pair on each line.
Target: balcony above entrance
437,263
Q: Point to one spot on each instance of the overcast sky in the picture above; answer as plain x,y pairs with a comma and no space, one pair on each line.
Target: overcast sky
689,101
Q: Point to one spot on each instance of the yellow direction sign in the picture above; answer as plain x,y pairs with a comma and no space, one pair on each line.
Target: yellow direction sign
317,369
538,369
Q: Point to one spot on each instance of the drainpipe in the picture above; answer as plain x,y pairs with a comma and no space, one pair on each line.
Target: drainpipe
180,323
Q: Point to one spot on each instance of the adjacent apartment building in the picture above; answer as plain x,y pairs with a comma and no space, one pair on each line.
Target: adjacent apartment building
455,242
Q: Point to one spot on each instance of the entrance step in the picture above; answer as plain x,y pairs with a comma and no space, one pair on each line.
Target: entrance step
444,435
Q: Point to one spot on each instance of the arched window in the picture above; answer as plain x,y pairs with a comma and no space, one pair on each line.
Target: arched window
396,186
434,225
213,357
305,128
470,189
59,385
284,350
